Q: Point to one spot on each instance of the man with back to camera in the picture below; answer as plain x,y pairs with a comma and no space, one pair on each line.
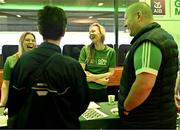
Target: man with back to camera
66,96
146,96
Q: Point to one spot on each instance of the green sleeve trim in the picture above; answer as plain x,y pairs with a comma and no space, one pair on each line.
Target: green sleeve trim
147,58
147,70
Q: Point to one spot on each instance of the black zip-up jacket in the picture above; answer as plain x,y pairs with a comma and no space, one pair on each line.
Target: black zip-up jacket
62,74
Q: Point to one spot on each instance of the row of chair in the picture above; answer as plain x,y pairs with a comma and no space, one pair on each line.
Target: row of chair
69,50
74,50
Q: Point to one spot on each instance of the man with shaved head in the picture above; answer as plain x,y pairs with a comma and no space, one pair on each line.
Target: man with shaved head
146,96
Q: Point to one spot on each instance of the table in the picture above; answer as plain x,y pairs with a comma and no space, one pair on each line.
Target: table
109,122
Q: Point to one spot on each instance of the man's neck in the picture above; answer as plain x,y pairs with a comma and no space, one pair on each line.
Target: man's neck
56,42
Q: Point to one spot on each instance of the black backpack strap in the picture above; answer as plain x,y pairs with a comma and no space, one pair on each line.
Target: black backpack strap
39,81
41,67
23,93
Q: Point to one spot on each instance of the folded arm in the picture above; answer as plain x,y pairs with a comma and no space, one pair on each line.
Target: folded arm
98,78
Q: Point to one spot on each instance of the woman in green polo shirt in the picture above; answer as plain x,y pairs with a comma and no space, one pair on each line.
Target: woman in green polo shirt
98,61
27,42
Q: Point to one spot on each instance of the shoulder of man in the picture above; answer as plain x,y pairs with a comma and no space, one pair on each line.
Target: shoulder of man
58,57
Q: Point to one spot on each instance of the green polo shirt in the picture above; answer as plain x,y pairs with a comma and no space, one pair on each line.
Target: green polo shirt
9,65
147,58
103,60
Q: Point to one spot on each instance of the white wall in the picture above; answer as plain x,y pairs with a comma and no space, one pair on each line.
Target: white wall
171,20
173,28
12,38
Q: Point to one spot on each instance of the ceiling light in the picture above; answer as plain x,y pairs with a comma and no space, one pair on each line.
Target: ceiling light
18,16
2,1
90,17
123,5
3,16
83,21
100,4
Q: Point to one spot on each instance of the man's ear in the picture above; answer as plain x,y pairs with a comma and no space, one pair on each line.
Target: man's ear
65,29
139,15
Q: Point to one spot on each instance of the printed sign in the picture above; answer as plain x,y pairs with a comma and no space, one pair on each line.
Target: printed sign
158,7
177,7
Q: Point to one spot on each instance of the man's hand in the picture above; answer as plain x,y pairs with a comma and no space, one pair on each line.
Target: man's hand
177,102
1,105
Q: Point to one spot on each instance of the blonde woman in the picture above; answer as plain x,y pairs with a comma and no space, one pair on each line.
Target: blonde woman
27,42
98,61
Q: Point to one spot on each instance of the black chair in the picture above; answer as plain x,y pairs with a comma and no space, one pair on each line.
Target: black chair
110,45
122,51
8,50
72,50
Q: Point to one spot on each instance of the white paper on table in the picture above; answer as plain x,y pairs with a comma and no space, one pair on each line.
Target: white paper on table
3,120
93,105
91,114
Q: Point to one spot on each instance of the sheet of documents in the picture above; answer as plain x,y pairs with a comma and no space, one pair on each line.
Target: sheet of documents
3,121
93,105
91,114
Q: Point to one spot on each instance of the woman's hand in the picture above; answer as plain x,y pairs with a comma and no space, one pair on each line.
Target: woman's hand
98,78
103,81
89,77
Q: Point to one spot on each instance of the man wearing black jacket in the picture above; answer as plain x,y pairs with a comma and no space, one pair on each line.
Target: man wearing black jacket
47,90
146,96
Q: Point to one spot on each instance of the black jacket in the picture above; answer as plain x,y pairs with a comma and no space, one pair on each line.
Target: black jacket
54,111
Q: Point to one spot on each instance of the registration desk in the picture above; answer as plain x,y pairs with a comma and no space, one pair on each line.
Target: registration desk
110,121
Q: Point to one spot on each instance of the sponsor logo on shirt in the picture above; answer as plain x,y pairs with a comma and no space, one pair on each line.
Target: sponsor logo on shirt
102,61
